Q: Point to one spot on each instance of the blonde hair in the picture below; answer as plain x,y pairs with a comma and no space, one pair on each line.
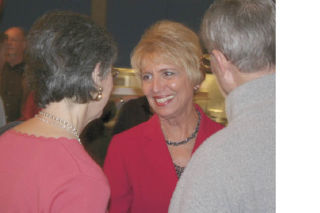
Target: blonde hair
170,42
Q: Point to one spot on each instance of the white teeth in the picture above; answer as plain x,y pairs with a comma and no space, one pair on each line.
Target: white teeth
162,100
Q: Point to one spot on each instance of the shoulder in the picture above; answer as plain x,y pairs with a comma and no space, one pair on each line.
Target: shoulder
64,156
60,158
131,141
216,148
230,150
70,160
89,194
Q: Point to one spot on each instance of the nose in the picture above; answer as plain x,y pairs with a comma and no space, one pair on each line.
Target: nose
157,84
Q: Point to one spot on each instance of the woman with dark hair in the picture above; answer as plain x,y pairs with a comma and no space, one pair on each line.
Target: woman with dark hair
144,163
44,167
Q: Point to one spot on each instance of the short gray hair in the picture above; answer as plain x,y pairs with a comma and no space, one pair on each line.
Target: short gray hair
63,50
243,30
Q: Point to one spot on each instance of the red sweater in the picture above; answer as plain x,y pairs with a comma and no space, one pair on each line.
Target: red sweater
140,171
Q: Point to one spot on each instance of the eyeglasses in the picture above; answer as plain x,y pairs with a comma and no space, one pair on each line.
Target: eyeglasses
205,63
114,73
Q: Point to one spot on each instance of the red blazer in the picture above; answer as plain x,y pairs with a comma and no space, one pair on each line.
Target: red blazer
139,168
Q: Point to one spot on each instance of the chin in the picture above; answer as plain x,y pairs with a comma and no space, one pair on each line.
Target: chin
164,112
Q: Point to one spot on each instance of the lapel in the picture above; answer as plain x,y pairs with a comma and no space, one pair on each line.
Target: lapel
156,150
202,129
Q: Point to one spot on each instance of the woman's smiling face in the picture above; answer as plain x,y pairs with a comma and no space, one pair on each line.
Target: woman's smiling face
167,88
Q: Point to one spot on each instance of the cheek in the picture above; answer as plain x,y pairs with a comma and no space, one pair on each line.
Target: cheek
145,88
173,85
180,85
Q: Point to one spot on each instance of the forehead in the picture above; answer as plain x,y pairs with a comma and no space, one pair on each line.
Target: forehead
157,60
159,65
15,33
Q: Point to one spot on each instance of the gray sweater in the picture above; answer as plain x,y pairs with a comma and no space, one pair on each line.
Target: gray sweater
234,170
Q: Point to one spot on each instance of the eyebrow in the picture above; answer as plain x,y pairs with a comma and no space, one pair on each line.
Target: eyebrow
161,70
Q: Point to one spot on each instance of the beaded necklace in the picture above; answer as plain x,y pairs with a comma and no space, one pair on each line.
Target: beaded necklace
59,123
194,134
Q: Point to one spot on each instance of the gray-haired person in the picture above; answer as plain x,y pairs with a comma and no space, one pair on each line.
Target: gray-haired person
235,168
44,167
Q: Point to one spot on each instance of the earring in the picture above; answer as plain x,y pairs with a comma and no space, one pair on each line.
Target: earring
195,88
99,96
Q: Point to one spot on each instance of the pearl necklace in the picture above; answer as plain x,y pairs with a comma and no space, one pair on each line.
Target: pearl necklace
59,122
194,134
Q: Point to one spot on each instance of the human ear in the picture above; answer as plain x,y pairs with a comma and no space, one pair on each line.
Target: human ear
224,68
96,75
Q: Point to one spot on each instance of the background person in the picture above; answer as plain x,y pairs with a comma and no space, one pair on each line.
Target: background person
235,168
43,164
143,164
132,113
13,88
16,45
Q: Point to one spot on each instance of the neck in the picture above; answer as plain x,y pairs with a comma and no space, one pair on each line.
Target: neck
58,122
179,128
189,138
67,111
243,77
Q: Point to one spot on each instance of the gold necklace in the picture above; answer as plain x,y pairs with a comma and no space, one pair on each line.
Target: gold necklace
59,122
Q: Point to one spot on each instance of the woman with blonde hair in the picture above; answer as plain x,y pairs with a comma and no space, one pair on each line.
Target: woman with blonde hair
144,163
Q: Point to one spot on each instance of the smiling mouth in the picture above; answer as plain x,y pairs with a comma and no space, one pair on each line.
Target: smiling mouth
163,100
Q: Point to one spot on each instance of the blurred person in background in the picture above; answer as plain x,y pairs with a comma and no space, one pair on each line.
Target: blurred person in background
144,163
16,45
13,89
235,168
132,113
44,167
